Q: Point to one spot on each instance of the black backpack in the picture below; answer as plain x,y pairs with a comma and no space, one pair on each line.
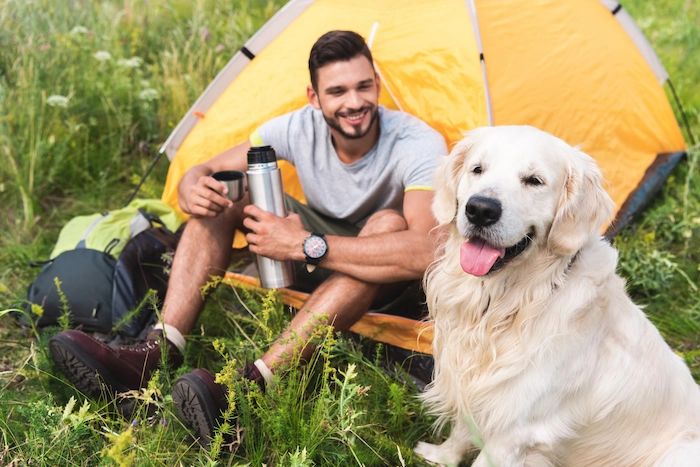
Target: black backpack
103,267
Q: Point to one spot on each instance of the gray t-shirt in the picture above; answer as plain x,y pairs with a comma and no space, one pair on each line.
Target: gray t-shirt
403,159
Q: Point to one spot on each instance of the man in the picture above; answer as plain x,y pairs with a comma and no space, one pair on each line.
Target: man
366,173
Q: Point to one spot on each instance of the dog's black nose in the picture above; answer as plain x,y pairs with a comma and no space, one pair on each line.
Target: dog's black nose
482,211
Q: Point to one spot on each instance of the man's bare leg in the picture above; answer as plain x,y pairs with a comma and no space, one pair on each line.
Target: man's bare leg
204,251
341,298
94,366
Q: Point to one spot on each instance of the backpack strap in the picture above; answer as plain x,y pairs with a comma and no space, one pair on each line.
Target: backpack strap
110,246
143,220
81,243
139,223
153,218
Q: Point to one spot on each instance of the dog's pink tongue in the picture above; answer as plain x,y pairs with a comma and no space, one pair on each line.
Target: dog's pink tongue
476,256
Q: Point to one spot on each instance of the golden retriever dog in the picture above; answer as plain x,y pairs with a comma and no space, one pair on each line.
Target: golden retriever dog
540,355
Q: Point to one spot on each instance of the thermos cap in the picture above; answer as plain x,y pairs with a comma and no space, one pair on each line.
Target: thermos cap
261,155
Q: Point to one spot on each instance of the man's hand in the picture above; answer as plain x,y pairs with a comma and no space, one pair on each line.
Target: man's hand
205,198
201,195
275,237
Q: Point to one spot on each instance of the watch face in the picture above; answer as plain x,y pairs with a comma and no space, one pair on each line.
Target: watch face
315,246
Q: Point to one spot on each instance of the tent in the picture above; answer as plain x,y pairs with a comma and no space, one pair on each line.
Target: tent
582,71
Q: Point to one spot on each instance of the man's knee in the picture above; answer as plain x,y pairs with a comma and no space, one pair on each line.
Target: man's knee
204,233
384,221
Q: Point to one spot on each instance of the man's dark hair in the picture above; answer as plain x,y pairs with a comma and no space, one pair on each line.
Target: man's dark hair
336,46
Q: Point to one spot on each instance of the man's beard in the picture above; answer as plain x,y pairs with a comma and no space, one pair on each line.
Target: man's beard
334,122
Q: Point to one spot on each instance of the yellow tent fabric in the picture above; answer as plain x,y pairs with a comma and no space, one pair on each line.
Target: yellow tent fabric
409,35
556,68
569,68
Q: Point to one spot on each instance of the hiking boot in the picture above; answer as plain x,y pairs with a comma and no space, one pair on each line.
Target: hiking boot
96,368
200,400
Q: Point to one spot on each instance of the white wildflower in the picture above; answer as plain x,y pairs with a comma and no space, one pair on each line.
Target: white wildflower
148,94
79,30
57,101
102,55
133,62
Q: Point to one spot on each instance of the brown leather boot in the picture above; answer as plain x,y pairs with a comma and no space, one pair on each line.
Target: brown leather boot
96,368
200,400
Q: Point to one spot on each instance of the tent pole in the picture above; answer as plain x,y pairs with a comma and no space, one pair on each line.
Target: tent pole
370,41
145,175
680,108
471,8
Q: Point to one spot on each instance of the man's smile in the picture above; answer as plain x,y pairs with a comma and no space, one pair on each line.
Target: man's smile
354,118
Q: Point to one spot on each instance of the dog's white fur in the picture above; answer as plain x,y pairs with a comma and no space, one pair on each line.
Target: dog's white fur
547,360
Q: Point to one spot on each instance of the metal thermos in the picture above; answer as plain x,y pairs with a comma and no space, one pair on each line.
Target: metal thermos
266,192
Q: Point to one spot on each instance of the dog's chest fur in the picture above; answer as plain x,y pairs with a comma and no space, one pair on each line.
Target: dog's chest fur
484,369
547,357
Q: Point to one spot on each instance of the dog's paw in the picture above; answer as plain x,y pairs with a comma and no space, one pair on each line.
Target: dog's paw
435,454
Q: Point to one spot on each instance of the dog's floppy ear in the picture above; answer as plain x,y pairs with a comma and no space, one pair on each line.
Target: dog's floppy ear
582,208
446,181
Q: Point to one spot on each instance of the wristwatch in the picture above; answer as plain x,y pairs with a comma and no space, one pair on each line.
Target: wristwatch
315,247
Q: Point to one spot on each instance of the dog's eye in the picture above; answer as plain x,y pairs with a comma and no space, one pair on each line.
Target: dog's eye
476,169
532,181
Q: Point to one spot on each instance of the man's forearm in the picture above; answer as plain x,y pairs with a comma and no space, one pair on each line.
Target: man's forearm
381,258
389,248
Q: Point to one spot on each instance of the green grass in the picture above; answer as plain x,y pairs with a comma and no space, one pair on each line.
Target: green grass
660,253
340,408
88,91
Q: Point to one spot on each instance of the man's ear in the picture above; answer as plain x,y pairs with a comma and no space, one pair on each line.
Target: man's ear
379,85
312,96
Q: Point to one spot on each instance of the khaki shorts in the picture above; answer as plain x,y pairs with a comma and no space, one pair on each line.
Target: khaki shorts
402,298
